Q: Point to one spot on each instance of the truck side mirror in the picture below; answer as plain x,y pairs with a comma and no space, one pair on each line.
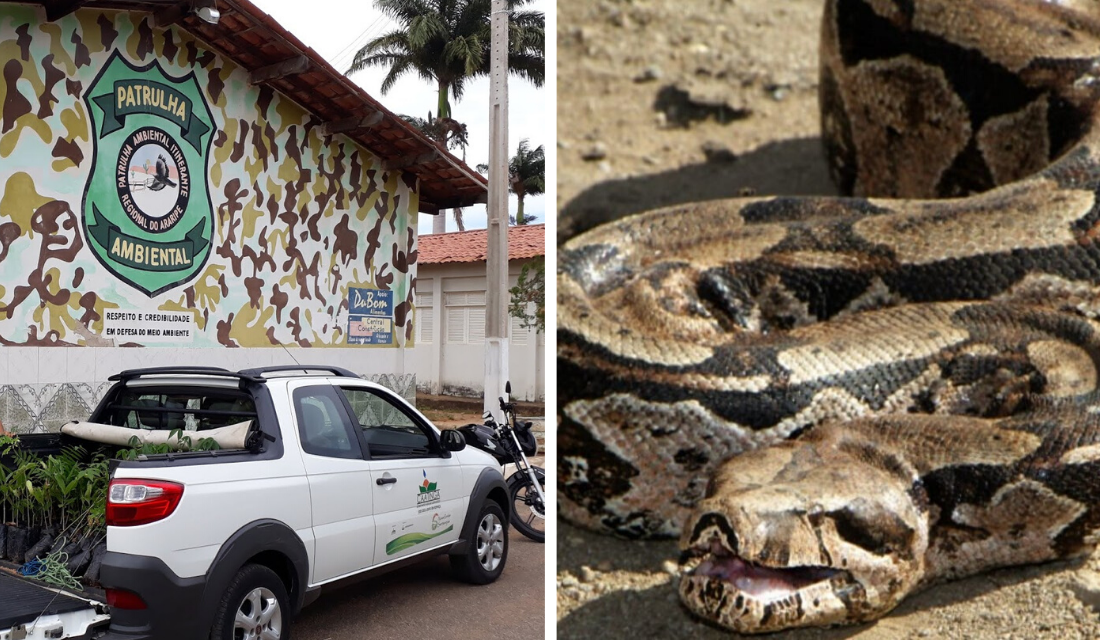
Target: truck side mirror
453,440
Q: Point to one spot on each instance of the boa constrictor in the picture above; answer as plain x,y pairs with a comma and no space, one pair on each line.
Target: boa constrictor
838,401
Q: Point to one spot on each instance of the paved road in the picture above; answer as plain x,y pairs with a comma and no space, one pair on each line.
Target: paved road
425,601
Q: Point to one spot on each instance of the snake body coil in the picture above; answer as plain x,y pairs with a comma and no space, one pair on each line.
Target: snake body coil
837,401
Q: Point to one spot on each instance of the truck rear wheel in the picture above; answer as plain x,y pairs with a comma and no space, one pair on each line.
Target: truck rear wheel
255,607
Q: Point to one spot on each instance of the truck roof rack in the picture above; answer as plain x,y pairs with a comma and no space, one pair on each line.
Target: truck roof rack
130,374
259,372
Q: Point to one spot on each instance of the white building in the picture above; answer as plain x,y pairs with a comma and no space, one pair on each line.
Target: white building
448,357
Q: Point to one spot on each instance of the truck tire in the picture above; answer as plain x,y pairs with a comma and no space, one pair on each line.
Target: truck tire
487,553
257,596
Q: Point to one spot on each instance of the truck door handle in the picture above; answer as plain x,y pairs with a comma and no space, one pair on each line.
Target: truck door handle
382,481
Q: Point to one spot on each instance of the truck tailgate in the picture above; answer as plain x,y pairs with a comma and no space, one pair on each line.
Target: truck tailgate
23,600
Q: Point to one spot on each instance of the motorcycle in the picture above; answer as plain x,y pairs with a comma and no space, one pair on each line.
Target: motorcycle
510,443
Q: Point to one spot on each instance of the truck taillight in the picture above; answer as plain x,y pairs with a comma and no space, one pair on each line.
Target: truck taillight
123,599
134,502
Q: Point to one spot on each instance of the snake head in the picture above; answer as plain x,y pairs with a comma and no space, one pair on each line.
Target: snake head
803,534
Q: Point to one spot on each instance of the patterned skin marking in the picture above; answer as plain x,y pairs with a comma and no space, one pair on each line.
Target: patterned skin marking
931,366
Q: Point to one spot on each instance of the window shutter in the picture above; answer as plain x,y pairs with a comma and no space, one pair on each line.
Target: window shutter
427,323
456,325
519,334
476,317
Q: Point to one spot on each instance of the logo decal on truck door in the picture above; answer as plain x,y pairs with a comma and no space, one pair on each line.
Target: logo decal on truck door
428,494
400,543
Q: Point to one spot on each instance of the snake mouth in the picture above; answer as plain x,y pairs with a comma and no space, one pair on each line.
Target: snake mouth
762,583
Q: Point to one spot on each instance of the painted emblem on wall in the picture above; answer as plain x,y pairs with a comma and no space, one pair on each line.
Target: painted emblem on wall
147,212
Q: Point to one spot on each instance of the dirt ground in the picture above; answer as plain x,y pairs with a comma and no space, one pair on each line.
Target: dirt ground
663,102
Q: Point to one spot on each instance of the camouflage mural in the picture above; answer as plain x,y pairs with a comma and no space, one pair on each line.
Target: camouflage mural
151,196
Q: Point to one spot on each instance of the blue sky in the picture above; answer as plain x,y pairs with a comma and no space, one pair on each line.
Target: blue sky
335,29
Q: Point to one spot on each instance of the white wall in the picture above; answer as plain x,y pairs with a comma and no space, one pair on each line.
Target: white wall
448,367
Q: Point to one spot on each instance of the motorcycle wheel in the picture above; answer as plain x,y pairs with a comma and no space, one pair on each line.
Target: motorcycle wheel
528,512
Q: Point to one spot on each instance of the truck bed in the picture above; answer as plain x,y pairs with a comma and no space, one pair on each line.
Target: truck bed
22,600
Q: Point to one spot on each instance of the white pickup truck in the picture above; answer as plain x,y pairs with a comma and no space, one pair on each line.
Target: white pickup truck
338,477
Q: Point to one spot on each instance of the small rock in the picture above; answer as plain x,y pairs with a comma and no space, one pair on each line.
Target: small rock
670,567
924,633
779,93
661,119
1086,586
597,151
649,74
717,152
588,575
562,144
650,160
604,167
604,566
569,581
746,192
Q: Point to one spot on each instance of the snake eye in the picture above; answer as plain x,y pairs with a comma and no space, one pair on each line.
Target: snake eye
875,530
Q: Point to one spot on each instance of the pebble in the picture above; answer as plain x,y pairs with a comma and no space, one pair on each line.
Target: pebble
569,581
671,567
588,575
649,74
597,151
1086,586
604,566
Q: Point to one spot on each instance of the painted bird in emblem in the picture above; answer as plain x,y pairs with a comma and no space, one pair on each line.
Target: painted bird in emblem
161,179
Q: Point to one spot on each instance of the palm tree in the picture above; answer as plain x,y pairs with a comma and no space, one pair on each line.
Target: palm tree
526,176
447,42
451,133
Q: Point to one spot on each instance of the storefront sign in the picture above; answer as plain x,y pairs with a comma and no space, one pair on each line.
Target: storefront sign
370,316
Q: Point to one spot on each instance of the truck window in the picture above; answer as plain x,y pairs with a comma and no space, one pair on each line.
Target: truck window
190,409
387,430
323,425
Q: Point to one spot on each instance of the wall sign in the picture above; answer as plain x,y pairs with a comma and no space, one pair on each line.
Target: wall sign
149,327
147,211
370,316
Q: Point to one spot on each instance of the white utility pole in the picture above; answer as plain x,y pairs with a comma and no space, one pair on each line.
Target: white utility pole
496,282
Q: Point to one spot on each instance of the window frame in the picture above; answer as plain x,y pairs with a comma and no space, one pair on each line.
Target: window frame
435,448
357,450
466,308
425,306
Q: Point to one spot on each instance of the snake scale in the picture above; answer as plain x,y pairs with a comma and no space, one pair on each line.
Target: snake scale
835,402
